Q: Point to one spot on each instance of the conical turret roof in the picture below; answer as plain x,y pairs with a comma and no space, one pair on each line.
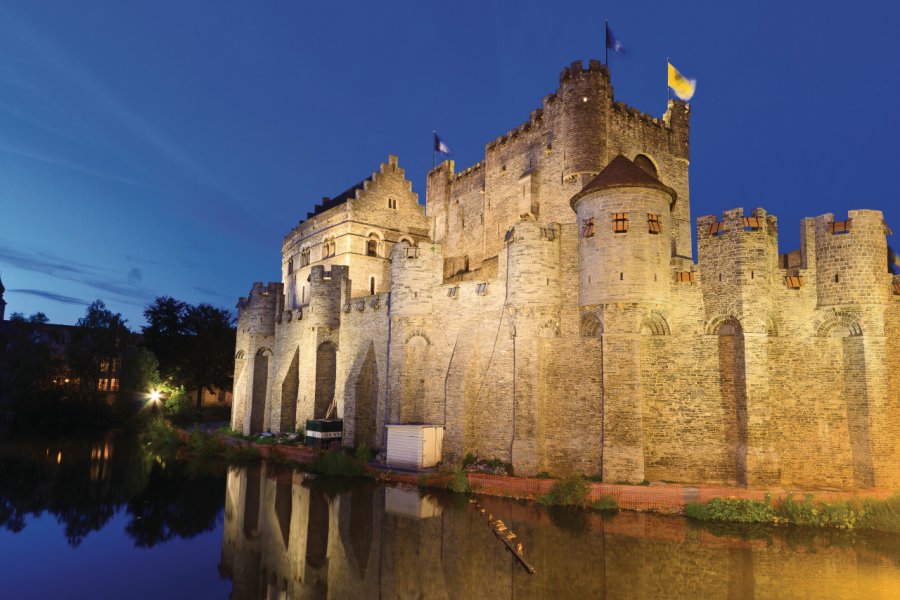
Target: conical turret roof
621,172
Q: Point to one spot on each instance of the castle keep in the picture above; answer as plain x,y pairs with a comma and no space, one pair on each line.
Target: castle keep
545,308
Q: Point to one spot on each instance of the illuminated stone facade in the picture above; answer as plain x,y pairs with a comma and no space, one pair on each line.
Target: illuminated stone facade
546,309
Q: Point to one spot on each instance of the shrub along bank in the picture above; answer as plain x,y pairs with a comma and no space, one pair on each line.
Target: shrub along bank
863,513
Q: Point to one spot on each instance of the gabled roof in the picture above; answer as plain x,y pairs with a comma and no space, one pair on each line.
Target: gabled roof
621,172
329,203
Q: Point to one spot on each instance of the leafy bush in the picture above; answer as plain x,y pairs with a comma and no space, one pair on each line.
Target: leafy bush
883,515
459,482
841,515
202,445
179,407
363,454
338,463
160,437
605,502
734,510
469,460
227,430
241,453
571,491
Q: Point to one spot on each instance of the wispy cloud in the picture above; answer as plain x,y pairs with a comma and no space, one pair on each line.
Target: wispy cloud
183,263
90,276
210,292
52,296
70,165
210,199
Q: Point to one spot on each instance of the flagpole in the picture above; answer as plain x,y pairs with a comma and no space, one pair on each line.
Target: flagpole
606,42
667,83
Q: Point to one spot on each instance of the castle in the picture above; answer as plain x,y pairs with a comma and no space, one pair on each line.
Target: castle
545,309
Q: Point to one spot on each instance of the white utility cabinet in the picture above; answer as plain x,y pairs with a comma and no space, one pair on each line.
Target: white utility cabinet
414,446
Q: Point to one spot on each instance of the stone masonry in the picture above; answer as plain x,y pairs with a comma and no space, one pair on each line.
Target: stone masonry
545,308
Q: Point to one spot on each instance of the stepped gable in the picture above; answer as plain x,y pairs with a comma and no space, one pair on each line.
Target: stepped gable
621,172
329,203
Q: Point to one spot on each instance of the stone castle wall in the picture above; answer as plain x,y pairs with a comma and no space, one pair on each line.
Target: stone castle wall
539,341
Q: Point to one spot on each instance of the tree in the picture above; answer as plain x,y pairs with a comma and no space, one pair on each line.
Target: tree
100,341
194,344
39,318
140,371
29,364
165,335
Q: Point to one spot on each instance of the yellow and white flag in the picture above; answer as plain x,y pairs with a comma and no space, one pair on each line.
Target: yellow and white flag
682,86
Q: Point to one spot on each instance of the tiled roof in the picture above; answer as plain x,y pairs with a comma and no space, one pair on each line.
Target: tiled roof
329,203
621,172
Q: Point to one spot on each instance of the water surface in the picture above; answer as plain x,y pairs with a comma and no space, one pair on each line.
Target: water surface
105,519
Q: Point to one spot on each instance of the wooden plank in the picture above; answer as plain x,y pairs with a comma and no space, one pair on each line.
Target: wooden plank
504,534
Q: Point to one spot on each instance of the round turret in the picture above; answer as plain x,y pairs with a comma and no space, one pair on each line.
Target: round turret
851,258
586,94
624,247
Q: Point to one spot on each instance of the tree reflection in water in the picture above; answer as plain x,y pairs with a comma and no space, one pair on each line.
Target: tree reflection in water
284,536
85,483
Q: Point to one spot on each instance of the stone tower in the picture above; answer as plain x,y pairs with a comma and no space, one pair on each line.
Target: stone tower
625,223
624,215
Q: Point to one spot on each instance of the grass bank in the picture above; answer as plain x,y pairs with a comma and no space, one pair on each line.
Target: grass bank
861,513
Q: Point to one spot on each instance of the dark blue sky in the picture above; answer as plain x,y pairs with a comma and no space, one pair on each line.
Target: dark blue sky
165,147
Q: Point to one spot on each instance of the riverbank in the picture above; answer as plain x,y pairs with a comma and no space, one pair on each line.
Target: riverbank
823,508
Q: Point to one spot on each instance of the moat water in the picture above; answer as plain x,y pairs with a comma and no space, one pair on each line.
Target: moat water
104,519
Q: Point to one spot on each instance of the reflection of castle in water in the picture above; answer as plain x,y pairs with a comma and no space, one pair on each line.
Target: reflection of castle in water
287,538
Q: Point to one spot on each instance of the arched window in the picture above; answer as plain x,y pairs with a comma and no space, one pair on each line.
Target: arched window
304,257
290,266
372,247
646,164
328,248
372,286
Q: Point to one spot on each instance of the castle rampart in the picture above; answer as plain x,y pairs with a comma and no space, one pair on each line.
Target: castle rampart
547,312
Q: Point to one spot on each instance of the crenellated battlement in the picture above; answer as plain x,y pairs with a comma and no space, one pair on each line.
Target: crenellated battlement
477,168
577,68
845,259
552,288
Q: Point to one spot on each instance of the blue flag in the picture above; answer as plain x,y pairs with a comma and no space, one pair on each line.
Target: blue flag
612,42
440,145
